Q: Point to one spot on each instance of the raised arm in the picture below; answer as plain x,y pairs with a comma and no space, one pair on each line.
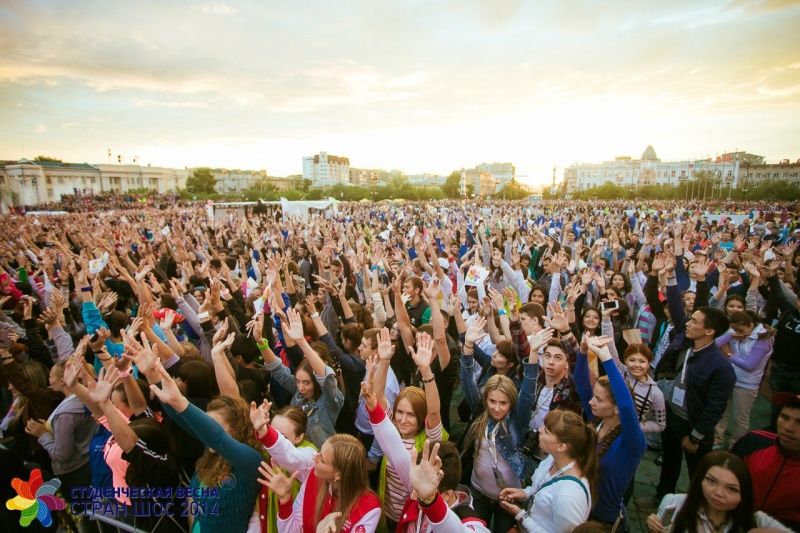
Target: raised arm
423,357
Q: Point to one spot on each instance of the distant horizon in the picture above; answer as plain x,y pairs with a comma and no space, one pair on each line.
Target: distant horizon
425,88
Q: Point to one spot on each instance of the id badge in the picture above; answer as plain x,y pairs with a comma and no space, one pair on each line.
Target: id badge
499,480
678,395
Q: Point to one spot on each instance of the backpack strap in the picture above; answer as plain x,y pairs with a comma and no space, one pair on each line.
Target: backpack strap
568,478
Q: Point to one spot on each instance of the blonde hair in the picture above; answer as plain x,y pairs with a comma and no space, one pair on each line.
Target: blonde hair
499,383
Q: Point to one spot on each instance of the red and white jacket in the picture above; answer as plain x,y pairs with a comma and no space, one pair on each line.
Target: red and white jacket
299,516
436,518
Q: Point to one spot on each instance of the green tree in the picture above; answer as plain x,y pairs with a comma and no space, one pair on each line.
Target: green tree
47,158
512,191
202,181
452,187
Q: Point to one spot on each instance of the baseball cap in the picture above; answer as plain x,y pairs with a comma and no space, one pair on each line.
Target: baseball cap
785,398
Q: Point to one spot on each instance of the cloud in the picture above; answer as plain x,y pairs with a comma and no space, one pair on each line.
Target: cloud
218,8
40,128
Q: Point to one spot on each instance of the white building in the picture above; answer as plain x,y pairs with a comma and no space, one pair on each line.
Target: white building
650,170
502,172
26,182
235,180
324,170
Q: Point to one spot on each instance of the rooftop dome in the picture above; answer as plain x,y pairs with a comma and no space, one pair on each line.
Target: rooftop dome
649,154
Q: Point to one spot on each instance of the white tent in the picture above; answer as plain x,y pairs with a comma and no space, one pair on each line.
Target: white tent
300,209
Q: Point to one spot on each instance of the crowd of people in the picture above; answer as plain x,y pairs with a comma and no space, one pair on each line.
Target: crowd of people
434,367
86,202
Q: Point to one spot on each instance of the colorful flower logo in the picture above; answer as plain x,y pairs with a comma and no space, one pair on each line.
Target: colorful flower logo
36,499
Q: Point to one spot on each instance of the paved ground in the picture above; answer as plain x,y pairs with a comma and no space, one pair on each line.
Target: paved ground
648,472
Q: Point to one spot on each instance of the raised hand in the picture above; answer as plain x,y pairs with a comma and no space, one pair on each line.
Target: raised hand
220,347
72,371
106,381
497,298
274,478
168,320
367,386
659,262
558,318
259,416
475,331
385,346
433,289
295,328
256,327
221,332
425,476
599,345
541,338
102,336
169,393
423,355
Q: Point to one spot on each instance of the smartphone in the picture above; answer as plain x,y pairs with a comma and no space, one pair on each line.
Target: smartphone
669,514
609,305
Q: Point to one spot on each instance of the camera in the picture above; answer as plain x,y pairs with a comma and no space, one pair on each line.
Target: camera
531,444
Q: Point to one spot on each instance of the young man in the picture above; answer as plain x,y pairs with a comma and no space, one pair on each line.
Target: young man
419,312
774,463
702,383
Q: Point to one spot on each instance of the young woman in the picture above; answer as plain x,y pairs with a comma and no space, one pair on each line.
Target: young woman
66,434
496,434
621,440
148,454
748,344
416,415
313,385
720,499
560,490
335,489
635,366
231,454
291,422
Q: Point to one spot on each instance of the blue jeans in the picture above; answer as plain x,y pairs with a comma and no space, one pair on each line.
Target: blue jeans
781,379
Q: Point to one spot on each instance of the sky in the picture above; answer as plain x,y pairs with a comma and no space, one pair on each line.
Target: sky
420,86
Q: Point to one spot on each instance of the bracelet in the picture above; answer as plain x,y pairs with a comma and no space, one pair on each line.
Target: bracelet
429,380
263,345
103,360
86,289
428,503
315,315
565,332
501,312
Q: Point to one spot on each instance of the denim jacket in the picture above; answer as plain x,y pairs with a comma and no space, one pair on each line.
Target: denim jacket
321,412
510,438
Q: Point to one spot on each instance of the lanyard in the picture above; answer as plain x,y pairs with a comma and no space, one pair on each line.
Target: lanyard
546,478
492,443
689,353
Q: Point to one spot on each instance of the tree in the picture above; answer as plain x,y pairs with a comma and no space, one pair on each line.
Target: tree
452,187
47,158
512,191
202,181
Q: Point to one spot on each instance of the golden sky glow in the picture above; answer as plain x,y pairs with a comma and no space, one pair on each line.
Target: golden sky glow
414,85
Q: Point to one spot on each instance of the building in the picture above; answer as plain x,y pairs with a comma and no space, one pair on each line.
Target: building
27,182
755,174
502,172
483,183
650,170
324,170
236,181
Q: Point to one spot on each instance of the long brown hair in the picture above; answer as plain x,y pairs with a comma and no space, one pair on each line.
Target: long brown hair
211,467
616,431
580,438
348,458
